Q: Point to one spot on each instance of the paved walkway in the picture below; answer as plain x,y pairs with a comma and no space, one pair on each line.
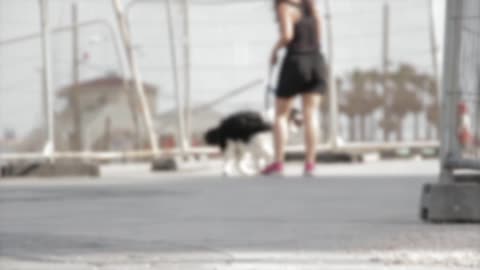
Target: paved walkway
362,216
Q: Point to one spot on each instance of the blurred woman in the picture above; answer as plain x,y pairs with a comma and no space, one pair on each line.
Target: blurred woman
303,74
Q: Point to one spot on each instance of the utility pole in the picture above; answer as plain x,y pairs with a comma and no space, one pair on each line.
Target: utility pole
49,149
77,135
385,64
75,49
386,42
434,45
137,77
187,46
331,79
176,82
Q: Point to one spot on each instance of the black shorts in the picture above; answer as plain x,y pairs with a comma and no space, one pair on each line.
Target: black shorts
302,73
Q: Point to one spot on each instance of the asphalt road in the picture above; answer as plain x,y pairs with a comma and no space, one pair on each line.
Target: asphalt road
349,217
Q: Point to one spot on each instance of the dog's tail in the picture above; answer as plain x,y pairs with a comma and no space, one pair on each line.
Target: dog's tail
254,122
261,127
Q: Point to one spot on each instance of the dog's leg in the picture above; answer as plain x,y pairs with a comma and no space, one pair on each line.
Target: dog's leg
246,164
268,152
241,158
262,149
264,157
257,158
259,162
229,158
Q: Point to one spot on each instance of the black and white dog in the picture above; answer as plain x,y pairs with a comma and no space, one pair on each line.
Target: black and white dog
246,137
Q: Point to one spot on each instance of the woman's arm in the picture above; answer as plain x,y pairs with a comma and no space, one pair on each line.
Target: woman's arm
286,30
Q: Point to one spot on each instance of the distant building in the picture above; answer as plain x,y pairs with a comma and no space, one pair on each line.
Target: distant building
111,118
110,114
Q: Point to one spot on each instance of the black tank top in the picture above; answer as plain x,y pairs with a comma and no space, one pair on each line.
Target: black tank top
305,38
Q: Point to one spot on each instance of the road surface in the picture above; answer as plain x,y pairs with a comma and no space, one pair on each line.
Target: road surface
361,216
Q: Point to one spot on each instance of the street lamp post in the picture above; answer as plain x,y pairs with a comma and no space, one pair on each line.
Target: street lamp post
181,137
331,78
49,148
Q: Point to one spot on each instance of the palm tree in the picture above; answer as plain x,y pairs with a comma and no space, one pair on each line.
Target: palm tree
432,109
426,87
389,124
400,96
345,108
375,101
417,104
404,99
359,103
325,112
432,118
406,93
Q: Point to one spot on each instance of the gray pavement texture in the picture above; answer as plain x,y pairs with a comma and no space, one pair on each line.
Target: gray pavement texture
360,216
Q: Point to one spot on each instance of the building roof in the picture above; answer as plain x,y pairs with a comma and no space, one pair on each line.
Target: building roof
104,83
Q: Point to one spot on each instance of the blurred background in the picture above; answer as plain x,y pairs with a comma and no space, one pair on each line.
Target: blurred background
89,82
203,59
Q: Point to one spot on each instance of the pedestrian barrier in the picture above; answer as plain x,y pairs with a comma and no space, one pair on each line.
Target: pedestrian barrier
461,110
457,195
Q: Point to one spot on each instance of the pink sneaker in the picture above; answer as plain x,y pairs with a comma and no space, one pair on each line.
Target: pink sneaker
273,169
309,169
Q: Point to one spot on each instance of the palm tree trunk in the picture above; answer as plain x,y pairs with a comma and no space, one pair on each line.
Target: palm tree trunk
400,130
385,135
371,128
351,128
362,128
355,129
368,128
429,131
386,117
324,123
416,126
374,128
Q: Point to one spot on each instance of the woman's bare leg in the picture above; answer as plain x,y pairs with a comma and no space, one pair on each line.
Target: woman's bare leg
311,103
282,113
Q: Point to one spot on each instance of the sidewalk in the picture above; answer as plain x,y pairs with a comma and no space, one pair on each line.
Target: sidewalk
362,216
